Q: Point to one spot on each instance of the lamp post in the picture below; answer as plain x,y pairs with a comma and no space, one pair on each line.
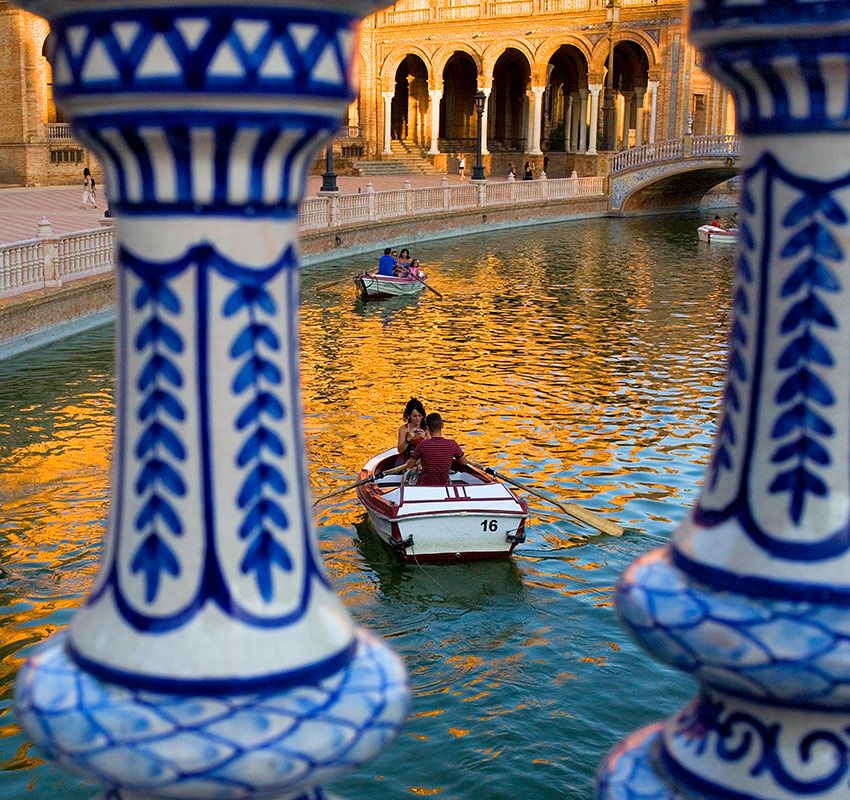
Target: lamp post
478,169
329,176
612,17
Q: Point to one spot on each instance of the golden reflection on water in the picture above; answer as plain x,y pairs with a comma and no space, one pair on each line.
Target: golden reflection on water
584,359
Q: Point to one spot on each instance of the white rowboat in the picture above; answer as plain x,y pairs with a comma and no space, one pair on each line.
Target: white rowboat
475,517
712,234
373,287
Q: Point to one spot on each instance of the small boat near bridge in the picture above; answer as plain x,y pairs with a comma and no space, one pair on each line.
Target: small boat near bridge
712,234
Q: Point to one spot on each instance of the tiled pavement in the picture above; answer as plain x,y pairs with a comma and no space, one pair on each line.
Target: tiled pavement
21,209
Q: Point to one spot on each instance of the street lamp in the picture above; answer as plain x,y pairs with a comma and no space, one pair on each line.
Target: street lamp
329,176
612,17
478,170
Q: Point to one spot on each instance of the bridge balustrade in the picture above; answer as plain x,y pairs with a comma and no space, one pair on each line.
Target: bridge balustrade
675,150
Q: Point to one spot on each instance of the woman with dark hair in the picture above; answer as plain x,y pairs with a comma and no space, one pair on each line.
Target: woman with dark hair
402,262
413,431
89,191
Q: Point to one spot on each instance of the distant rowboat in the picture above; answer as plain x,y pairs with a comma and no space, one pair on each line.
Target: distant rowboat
374,287
712,234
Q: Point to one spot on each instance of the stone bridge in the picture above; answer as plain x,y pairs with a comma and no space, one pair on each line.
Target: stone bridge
672,174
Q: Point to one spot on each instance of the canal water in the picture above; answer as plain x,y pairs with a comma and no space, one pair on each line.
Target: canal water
584,358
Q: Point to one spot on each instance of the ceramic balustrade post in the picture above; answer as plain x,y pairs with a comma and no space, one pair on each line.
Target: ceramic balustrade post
212,658
752,596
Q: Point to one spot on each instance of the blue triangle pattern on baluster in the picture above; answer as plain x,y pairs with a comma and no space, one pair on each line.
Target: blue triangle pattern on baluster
204,50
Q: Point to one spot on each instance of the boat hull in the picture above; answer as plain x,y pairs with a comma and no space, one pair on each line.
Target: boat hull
376,287
474,518
714,235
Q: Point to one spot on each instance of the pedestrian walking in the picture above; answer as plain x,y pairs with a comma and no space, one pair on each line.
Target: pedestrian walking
89,189
461,166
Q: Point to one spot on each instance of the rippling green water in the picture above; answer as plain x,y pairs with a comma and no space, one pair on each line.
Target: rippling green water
586,358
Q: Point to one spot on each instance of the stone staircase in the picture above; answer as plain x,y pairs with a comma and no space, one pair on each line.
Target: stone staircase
407,158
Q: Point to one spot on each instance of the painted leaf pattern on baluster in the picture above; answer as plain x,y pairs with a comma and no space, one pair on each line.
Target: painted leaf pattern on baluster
159,448
803,394
738,375
263,483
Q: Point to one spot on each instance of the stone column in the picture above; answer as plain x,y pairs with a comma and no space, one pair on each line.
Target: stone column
568,124
582,122
627,113
484,121
388,118
752,595
212,658
575,104
594,89
529,121
436,95
640,92
653,109
537,110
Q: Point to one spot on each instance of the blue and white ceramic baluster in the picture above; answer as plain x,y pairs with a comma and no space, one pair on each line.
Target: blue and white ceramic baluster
753,595
212,659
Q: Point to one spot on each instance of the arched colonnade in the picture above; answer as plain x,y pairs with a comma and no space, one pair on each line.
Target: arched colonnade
549,96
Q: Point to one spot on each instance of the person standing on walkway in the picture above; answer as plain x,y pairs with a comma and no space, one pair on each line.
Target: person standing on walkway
89,190
461,166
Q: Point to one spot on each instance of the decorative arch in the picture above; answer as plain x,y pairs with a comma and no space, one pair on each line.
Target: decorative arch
51,112
551,46
444,55
410,101
460,77
394,59
599,55
496,51
508,106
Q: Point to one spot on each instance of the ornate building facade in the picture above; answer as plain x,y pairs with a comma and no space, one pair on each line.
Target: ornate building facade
555,75
563,83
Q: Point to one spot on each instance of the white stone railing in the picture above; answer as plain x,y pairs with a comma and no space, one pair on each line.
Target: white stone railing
50,261
674,150
719,145
372,206
647,154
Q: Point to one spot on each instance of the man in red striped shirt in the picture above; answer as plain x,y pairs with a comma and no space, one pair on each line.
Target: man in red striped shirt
436,455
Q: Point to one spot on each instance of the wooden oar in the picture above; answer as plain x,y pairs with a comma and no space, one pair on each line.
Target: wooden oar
343,489
590,518
334,283
427,286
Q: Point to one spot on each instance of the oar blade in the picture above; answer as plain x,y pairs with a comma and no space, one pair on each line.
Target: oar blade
582,514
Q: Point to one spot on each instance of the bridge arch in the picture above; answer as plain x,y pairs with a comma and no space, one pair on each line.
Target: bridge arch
669,187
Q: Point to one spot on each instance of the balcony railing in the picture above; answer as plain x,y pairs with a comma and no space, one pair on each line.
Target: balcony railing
413,17
459,12
58,131
511,8
503,8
